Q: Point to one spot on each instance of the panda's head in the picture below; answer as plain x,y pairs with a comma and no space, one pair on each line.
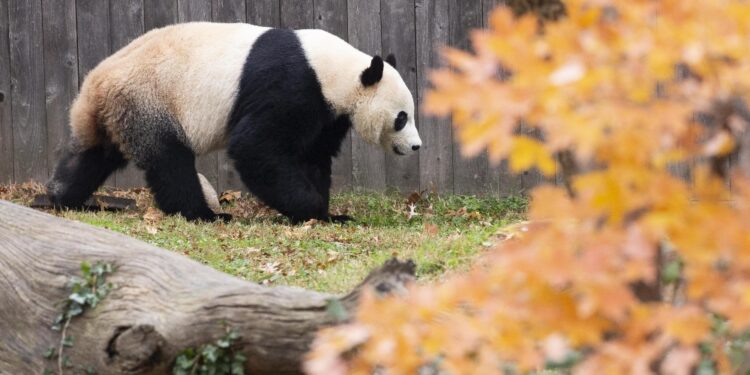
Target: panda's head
384,112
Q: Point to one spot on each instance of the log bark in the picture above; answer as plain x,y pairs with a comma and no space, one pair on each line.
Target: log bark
162,302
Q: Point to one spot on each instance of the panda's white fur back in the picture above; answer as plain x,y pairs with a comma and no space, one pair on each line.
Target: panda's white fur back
191,70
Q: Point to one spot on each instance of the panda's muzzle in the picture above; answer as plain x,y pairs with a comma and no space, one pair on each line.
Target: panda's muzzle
397,151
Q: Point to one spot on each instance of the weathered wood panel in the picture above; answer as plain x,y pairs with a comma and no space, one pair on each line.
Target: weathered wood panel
126,24
190,11
469,175
263,12
368,161
194,10
297,14
228,11
92,27
507,183
331,15
398,20
60,71
159,13
436,155
27,86
6,118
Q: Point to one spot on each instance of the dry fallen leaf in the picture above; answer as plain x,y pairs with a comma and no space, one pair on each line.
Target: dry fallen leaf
152,215
414,197
270,267
230,196
430,228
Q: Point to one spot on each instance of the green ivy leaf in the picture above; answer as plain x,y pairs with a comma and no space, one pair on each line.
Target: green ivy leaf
210,353
223,343
67,341
85,268
66,362
238,364
77,298
75,309
49,353
336,309
184,362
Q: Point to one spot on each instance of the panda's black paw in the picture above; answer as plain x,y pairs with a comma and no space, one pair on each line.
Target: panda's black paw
340,219
223,217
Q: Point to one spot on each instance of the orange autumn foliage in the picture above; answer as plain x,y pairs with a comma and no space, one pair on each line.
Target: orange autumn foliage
617,85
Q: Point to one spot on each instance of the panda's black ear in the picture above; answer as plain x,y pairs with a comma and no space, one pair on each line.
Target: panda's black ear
374,73
390,59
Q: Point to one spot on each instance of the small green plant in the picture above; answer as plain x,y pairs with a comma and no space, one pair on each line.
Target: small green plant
218,358
86,291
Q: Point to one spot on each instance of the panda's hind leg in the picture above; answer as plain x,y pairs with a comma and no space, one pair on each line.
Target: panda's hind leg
169,164
174,182
81,171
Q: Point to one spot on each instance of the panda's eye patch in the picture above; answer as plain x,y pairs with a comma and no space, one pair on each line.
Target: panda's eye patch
401,120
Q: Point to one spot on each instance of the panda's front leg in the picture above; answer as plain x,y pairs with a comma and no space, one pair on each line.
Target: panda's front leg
278,179
284,186
319,172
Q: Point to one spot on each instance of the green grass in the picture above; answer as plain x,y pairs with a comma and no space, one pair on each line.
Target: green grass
441,234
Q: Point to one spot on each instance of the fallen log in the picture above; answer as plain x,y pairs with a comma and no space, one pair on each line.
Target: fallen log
161,303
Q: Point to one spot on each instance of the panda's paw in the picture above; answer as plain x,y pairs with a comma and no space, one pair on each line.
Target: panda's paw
340,219
223,217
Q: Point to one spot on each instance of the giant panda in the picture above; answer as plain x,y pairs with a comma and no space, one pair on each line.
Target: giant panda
279,101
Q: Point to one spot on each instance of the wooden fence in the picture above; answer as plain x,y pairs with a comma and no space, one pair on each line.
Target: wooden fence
48,46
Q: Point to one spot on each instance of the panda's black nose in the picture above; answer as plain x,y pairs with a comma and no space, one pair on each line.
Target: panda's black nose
415,147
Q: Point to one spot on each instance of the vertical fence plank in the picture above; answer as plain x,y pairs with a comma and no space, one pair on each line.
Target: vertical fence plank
92,25
126,24
60,72
158,13
398,20
470,175
436,155
263,12
189,11
297,14
194,10
6,118
330,15
506,182
27,86
228,11
368,161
